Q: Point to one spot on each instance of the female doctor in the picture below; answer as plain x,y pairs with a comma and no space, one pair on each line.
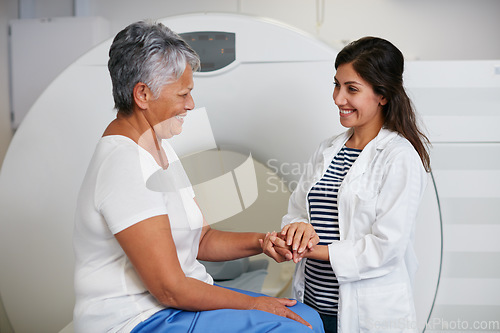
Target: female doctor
360,193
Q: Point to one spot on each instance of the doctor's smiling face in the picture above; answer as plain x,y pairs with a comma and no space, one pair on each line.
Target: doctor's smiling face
358,104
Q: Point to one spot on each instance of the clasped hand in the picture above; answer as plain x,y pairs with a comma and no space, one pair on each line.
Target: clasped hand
294,242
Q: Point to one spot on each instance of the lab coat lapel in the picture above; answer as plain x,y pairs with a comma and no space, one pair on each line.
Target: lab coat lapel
335,146
368,154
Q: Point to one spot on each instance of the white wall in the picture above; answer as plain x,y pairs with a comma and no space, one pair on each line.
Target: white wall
8,10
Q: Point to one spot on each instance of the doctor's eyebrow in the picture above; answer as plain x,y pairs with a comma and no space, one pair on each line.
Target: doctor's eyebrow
348,82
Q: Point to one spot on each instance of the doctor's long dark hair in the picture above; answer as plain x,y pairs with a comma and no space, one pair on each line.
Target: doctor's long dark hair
381,64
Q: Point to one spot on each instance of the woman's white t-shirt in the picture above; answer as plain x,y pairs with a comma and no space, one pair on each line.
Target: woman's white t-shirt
123,186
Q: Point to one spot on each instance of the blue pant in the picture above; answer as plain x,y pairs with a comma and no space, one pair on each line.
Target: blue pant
230,321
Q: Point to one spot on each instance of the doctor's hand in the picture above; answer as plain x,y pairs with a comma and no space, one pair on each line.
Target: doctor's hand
300,237
279,306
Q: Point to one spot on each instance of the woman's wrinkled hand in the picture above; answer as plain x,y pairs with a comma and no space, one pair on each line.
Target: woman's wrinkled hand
278,306
275,247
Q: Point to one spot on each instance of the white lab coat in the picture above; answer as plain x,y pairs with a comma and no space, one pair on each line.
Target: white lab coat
374,261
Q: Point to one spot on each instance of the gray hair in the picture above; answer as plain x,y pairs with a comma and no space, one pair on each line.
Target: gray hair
150,53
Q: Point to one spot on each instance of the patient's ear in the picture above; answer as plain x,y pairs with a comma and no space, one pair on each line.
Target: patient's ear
142,95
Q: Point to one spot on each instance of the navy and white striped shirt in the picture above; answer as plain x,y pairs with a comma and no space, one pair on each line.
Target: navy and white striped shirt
321,285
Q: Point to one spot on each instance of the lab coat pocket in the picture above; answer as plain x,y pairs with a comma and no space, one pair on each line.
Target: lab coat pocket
366,199
385,309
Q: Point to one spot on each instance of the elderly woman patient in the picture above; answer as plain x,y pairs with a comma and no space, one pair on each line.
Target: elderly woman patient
136,245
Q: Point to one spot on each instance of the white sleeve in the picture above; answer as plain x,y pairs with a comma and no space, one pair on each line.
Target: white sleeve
121,194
